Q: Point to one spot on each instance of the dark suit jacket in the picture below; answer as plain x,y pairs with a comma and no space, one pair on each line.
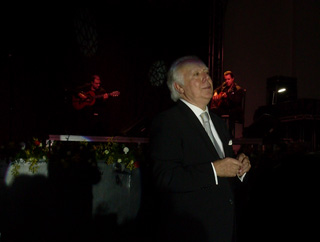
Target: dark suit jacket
191,206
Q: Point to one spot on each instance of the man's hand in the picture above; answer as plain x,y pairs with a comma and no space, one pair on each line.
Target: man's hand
245,164
82,95
215,96
105,96
227,167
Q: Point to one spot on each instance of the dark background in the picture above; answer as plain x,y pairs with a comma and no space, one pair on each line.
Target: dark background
45,51
48,51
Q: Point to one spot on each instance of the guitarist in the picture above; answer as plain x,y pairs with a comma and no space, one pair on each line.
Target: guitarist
227,100
89,103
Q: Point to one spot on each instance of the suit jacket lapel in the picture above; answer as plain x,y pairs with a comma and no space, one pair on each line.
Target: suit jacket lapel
222,132
194,123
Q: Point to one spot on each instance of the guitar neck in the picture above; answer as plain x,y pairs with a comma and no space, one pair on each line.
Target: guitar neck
101,95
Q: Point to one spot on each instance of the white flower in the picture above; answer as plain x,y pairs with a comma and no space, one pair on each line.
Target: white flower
49,143
119,160
125,150
20,160
23,145
30,159
106,152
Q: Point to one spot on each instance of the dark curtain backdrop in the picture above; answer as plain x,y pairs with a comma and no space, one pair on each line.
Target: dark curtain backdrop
46,52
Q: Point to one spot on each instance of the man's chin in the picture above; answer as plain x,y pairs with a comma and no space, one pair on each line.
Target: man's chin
208,97
209,94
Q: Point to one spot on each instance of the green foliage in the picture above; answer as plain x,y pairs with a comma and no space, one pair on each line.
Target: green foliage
124,156
113,153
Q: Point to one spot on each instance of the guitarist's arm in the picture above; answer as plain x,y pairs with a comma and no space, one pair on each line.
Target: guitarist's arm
101,95
80,91
106,95
217,96
111,94
217,91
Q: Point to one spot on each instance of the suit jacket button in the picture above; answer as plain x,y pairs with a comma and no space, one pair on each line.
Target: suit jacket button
230,201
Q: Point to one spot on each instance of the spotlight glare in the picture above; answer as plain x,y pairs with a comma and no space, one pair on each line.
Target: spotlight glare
281,90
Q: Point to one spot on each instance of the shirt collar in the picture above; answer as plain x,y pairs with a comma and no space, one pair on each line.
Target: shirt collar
197,111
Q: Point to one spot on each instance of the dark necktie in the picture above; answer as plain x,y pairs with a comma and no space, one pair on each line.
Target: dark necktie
206,125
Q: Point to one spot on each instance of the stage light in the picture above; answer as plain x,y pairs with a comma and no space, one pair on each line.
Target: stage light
282,90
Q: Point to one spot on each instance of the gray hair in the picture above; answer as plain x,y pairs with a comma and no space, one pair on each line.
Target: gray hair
175,76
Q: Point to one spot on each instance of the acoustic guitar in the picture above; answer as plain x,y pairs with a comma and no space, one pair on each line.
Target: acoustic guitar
218,99
89,98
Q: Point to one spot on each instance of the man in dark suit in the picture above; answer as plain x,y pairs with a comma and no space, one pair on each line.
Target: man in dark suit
193,181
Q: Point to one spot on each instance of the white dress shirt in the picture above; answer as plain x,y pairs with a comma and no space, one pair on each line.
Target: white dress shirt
198,111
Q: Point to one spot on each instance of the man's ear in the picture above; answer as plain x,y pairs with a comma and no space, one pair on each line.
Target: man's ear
178,87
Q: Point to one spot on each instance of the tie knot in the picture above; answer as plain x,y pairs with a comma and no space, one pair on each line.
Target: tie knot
204,116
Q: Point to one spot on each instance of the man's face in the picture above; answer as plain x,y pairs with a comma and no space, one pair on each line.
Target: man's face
228,79
96,83
197,88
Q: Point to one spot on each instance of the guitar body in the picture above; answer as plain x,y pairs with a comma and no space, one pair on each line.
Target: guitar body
89,99
215,103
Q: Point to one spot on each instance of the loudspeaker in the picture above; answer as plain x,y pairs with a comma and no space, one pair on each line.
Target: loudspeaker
281,89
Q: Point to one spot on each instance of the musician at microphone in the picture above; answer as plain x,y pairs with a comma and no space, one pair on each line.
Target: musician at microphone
227,99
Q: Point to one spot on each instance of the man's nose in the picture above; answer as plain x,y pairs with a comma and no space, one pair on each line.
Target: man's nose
206,77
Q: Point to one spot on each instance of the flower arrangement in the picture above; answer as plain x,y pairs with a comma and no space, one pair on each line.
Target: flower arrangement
122,156
31,153
117,153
